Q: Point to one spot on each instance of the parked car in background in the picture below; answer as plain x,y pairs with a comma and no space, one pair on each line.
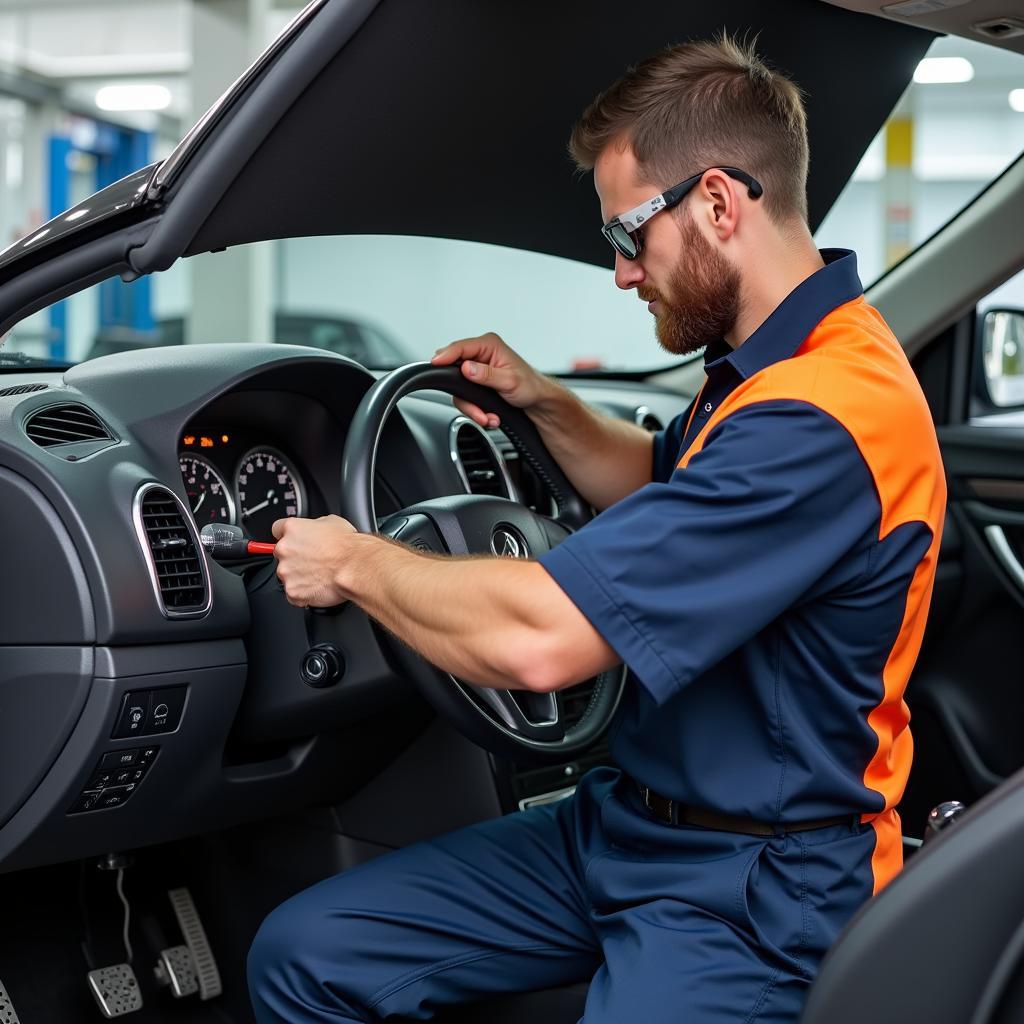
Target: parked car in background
362,342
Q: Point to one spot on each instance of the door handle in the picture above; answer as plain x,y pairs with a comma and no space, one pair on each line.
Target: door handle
1005,555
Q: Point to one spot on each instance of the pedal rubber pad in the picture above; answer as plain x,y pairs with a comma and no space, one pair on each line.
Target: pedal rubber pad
116,990
195,938
8,1014
177,969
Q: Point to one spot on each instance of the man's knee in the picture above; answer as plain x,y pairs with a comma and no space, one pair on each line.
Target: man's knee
272,968
289,966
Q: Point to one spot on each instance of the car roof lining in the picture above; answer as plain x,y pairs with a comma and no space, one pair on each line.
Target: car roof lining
452,117
951,18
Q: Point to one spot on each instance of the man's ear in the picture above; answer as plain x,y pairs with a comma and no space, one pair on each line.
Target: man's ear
719,199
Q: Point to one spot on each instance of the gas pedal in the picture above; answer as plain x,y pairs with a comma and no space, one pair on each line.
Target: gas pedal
195,938
116,990
177,969
8,1014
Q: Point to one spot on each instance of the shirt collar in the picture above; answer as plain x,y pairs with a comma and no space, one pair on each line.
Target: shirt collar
794,318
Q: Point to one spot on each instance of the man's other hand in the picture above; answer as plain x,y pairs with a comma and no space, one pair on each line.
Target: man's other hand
488,360
309,553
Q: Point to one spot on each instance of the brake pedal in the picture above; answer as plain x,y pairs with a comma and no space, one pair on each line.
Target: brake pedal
177,969
195,938
116,990
8,1014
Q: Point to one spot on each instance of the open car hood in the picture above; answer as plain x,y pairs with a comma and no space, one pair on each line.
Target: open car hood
450,119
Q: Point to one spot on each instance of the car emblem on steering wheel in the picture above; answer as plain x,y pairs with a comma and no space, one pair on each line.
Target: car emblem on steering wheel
509,543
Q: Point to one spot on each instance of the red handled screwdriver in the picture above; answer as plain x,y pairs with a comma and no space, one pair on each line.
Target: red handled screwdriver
223,541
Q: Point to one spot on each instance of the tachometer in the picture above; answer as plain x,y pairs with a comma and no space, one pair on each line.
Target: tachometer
208,496
268,490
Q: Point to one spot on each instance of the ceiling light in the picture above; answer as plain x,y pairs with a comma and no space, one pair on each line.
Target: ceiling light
943,70
1016,99
133,97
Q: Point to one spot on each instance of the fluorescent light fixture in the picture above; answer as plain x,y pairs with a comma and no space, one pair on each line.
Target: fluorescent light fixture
133,97
1016,99
943,70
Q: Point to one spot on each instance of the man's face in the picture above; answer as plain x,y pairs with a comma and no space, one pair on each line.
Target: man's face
688,284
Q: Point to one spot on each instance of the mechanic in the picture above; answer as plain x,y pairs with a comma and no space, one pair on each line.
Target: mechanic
763,567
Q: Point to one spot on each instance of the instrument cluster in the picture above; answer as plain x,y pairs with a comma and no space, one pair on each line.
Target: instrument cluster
229,478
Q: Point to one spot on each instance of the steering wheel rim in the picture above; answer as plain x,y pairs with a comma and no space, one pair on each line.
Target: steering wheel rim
498,720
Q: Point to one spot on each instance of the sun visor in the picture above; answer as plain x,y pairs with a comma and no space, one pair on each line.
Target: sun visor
451,118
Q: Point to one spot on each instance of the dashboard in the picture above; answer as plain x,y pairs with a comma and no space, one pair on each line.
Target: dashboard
107,473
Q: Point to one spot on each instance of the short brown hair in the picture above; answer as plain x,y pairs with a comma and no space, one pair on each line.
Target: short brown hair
705,104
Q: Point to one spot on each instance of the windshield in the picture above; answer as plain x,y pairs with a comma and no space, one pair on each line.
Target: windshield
386,300
383,300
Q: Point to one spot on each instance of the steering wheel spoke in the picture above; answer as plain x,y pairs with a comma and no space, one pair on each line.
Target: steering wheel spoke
536,715
415,529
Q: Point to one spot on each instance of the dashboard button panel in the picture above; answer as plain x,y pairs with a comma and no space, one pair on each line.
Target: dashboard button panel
149,712
133,717
115,779
165,709
118,759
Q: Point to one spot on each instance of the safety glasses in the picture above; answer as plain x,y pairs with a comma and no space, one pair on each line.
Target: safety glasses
624,231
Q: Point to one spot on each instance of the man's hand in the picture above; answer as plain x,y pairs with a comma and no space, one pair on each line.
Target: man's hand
491,621
309,553
604,458
489,361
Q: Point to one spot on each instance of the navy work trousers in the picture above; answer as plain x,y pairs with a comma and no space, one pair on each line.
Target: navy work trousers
672,923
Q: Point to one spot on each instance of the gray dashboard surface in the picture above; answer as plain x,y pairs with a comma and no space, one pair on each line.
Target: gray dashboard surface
82,628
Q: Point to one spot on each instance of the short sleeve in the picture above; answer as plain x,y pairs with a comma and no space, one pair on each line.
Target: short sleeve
666,446
681,573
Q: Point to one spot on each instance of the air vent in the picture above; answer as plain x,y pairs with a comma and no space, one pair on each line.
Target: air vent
65,424
22,389
478,460
175,561
643,417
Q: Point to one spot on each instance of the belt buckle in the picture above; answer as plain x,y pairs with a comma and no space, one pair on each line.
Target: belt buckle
668,816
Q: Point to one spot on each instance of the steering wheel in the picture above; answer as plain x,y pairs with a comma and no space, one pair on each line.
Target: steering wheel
517,723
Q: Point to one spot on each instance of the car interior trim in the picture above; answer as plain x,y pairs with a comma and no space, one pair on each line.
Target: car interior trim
63,274
164,174
996,537
233,139
944,277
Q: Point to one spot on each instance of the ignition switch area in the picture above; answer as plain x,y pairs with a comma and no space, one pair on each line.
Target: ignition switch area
322,665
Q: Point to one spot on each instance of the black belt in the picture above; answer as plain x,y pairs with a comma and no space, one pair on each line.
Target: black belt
674,813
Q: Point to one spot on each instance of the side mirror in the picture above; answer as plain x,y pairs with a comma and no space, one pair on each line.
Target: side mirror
1002,356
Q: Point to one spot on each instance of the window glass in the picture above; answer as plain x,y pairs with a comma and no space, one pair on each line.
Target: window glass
958,126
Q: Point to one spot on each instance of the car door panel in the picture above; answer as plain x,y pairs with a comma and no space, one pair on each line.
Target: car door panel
967,693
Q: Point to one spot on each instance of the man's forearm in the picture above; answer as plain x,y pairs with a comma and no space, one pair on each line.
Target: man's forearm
492,621
604,458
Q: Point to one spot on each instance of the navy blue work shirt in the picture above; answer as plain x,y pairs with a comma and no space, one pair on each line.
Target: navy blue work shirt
768,589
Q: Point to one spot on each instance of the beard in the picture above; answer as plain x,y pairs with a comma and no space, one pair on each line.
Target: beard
705,295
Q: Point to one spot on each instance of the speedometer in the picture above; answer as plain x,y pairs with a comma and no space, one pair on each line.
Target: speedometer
209,497
268,489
